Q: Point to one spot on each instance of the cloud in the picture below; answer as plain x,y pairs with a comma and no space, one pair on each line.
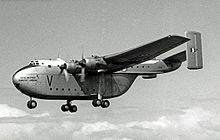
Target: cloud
161,123
45,114
89,128
194,123
7,111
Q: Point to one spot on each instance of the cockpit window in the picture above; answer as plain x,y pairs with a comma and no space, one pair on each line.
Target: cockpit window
34,63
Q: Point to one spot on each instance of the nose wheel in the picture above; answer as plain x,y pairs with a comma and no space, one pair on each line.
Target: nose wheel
31,104
69,107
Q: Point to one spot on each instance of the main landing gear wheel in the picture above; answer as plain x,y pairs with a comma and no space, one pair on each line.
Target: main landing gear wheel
96,102
102,103
73,108
105,104
31,104
69,107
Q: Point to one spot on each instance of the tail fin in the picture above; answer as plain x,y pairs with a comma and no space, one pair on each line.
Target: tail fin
194,50
180,57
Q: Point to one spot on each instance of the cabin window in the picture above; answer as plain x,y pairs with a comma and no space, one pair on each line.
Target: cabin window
93,89
75,89
49,66
142,66
50,88
56,88
137,66
68,89
62,89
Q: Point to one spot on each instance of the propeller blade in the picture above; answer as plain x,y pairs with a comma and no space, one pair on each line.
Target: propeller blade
82,76
66,75
59,59
82,55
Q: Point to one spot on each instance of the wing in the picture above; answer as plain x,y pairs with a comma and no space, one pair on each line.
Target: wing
143,53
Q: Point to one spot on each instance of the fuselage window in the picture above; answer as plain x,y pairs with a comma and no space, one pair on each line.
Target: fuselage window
142,66
50,88
75,89
49,66
68,89
56,88
137,66
62,89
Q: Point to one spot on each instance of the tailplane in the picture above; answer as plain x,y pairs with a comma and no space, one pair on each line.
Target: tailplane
179,57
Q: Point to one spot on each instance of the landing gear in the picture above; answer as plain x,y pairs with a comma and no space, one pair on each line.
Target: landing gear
31,104
105,104
69,107
96,102
100,102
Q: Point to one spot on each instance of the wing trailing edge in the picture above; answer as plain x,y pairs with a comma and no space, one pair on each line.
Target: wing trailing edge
143,53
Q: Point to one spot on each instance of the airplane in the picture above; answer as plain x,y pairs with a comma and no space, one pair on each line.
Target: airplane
99,78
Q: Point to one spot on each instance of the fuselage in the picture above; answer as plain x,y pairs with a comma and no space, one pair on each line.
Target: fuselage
43,79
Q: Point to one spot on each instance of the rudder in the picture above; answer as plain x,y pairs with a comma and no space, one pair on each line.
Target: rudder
194,50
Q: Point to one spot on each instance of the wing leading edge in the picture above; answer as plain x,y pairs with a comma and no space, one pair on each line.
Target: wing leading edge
143,53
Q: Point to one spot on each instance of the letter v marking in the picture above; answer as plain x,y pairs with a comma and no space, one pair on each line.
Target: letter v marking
49,80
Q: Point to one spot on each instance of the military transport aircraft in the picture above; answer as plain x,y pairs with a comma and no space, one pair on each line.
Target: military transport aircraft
99,78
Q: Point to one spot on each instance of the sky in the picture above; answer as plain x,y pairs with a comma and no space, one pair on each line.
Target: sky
179,105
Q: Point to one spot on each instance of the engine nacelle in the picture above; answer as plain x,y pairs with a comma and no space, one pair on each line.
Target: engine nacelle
94,64
71,67
150,76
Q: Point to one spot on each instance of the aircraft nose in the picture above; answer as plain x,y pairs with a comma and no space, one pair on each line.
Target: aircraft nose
15,79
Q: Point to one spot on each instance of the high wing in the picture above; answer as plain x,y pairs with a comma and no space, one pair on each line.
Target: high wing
143,53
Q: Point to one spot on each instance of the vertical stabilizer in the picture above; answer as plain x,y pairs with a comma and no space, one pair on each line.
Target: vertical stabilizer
194,50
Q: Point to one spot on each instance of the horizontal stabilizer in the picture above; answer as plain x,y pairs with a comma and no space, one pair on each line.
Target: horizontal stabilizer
180,57
194,50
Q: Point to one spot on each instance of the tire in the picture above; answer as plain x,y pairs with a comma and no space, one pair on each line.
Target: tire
73,108
96,102
65,108
105,104
31,104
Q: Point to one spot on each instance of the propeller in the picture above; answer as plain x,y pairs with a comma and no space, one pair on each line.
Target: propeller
82,77
63,69
82,63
